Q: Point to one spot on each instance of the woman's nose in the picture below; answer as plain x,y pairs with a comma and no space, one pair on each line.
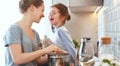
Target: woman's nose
42,15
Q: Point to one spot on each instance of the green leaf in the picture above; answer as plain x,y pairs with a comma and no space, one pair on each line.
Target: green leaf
109,62
76,43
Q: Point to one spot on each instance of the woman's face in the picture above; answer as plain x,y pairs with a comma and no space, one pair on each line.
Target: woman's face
38,13
55,17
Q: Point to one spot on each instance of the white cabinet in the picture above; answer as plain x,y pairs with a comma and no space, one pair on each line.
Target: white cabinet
84,5
80,5
74,3
65,2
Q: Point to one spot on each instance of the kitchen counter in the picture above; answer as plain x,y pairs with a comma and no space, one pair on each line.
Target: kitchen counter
89,63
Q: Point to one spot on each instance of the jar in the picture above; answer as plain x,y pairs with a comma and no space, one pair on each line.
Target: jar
105,50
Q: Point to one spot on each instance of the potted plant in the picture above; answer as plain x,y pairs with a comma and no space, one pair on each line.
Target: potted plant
77,45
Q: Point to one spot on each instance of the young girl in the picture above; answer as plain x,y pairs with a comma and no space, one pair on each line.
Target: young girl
60,35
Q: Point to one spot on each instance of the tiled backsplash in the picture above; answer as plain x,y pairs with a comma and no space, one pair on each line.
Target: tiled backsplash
109,21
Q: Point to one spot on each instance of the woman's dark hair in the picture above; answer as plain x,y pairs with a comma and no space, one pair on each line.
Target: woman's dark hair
63,10
24,4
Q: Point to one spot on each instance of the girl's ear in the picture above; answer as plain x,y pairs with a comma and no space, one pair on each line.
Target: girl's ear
62,18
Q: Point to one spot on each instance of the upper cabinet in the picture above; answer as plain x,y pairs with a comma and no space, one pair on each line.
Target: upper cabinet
84,5
81,5
65,2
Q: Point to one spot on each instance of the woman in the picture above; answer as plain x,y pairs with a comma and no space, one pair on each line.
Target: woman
22,41
60,35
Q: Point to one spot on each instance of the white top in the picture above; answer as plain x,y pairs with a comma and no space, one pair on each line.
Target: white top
61,37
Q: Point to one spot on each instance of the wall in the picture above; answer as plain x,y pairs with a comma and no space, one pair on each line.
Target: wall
83,25
9,15
108,18
109,22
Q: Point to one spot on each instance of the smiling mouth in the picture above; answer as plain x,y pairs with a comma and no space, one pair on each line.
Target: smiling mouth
51,19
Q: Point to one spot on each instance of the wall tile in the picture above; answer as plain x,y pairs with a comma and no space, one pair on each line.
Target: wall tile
109,21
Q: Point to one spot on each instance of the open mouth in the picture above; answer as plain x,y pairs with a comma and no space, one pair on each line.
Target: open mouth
51,19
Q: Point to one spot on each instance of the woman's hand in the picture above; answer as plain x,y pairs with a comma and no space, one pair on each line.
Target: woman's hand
51,48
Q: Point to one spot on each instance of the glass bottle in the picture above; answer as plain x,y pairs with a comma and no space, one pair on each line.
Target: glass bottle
105,50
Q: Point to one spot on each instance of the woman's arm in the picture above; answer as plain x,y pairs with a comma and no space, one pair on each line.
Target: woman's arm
42,60
21,58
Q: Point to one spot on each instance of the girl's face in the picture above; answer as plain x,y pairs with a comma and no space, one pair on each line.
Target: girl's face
55,17
38,13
